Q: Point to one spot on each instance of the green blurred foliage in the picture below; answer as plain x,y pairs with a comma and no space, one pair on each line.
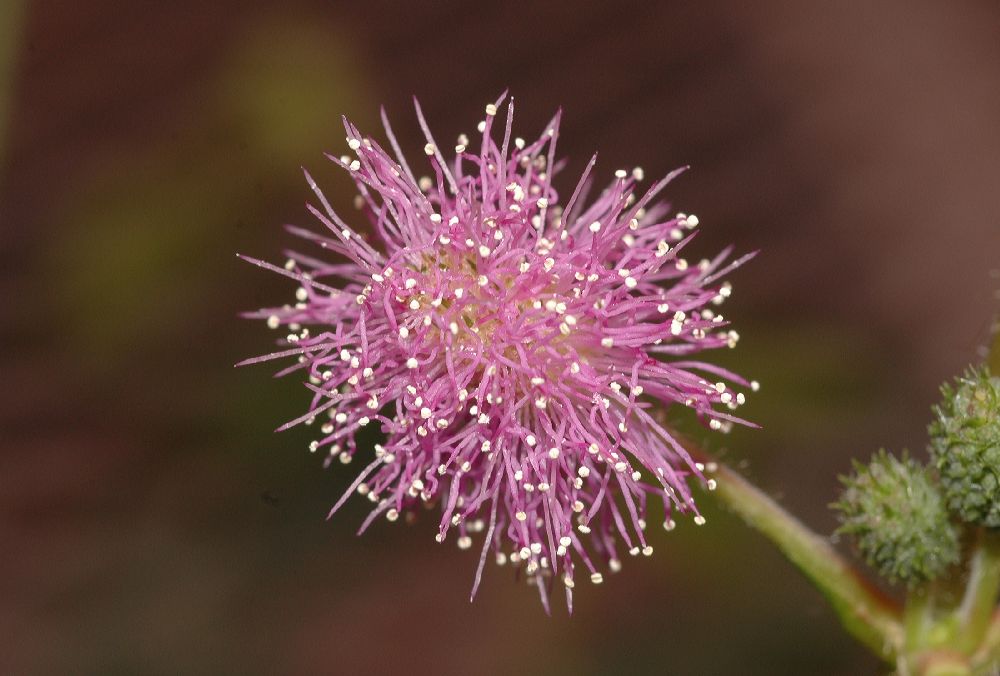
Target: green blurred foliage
11,30
148,228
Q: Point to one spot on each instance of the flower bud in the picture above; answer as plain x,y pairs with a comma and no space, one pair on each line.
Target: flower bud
898,520
965,447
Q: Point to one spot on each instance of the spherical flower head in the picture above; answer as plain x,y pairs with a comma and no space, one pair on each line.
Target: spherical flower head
513,350
897,517
965,447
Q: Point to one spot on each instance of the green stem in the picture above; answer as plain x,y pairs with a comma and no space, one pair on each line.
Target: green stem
918,616
987,657
868,615
993,358
979,602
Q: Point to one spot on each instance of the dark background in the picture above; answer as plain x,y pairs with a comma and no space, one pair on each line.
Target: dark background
150,521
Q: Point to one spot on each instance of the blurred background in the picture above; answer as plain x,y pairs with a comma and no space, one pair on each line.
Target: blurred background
152,523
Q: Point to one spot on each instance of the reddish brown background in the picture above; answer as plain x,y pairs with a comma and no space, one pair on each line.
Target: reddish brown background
150,521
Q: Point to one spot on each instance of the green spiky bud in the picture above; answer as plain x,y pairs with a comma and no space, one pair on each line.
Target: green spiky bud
897,518
965,447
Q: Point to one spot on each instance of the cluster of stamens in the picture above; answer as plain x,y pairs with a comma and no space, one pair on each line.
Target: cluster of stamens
515,353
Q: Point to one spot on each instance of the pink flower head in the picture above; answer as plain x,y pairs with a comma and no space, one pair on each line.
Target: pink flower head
511,349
